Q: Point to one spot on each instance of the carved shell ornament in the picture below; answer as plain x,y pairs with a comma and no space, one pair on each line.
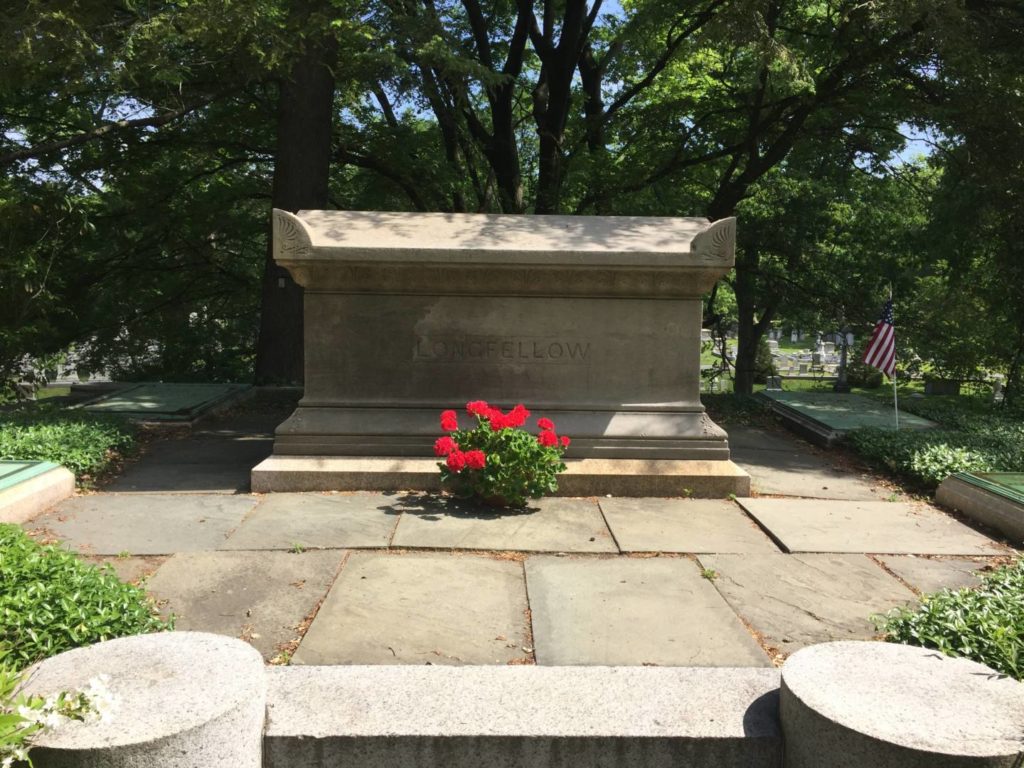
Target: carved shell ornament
717,243
291,241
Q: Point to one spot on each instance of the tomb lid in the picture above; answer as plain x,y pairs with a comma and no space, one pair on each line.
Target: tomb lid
503,239
1009,485
14,472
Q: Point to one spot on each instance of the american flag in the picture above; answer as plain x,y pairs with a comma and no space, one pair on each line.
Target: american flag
881,349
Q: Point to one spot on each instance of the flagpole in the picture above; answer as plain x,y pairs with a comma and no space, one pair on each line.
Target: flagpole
895,394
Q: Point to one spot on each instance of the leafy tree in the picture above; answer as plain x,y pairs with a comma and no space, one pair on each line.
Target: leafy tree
973,301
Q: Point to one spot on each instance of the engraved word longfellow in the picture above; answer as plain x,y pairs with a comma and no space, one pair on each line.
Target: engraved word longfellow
469,349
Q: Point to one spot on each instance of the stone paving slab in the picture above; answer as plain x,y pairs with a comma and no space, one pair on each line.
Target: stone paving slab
133,570
201,465
312,520
548,525
780,465
928,575
145,524
798,600
421,609
633,611
746,437
260,597
683,525
880,527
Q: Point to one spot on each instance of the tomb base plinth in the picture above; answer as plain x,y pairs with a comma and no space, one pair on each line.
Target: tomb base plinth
583,477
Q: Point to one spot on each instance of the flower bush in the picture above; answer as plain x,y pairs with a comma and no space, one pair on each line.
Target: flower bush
23,718
498,460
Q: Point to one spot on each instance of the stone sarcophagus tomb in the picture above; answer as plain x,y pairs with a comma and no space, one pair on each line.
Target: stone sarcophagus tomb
593,321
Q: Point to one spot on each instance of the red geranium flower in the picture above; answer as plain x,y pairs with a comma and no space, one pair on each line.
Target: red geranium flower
547,438
478,408
518,416
444,445
565,441
497,419
456,461
449,421
475,459
545,423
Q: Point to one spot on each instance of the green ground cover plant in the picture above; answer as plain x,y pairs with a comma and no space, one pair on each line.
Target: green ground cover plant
973,436
50,602
984,624
87,444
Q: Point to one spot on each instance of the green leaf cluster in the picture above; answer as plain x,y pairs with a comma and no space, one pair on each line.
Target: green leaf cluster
984,624
87,444
972,437
50,602
518,467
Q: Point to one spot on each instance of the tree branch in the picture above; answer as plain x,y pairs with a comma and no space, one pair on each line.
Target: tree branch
104,130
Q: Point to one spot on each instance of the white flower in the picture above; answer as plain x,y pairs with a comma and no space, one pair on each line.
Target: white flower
100,697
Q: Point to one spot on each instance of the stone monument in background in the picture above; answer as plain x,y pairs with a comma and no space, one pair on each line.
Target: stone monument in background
594,321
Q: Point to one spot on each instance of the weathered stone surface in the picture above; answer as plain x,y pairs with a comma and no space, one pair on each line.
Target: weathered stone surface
260,597
434,310
182,700
782,465
683,525
929,575
161,401
548,525
28,498
798,600
881,527
195,464
526,717
284,520
625,611
895,706
133,570
420,609
583,477
1002,513
146,524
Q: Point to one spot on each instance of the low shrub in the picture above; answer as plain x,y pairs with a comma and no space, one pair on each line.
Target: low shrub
87,444
985,624
972,437
50,601
497,460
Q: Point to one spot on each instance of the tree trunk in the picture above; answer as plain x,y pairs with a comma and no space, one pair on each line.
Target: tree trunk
750,332
748,336
301,170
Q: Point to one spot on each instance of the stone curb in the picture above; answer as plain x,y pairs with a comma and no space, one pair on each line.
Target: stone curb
192,699
998,512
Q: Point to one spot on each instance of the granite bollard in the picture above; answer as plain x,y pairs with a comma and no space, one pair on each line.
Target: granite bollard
182,699
593,321
856,704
